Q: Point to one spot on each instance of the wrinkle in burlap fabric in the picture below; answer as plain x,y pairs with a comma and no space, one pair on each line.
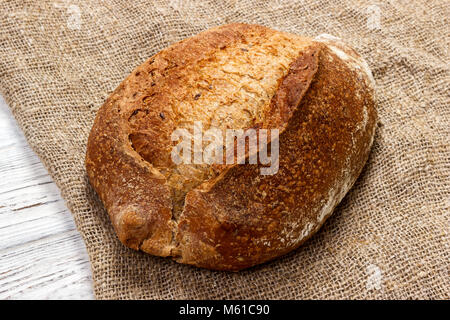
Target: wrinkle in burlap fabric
389,238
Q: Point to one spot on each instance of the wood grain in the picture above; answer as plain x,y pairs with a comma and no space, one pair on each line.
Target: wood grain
42,256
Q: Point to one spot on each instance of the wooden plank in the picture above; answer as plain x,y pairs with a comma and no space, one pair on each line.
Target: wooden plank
42,256
54,267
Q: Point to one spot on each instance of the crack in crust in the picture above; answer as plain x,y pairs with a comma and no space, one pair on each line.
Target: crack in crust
227,217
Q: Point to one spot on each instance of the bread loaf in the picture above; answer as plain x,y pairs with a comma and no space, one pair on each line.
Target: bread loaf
319,95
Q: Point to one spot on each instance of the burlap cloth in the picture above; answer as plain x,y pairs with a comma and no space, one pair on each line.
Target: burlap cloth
389,238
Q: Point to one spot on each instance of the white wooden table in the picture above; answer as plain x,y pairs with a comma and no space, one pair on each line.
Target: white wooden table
42,256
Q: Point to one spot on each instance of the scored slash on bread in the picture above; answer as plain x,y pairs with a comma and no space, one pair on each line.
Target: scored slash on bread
318,93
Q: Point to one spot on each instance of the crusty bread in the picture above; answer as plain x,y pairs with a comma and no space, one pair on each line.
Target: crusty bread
318,93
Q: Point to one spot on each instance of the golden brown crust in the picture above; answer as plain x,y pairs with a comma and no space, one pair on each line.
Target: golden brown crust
233,217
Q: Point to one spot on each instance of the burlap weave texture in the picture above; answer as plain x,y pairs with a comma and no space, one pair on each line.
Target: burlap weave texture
389,238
